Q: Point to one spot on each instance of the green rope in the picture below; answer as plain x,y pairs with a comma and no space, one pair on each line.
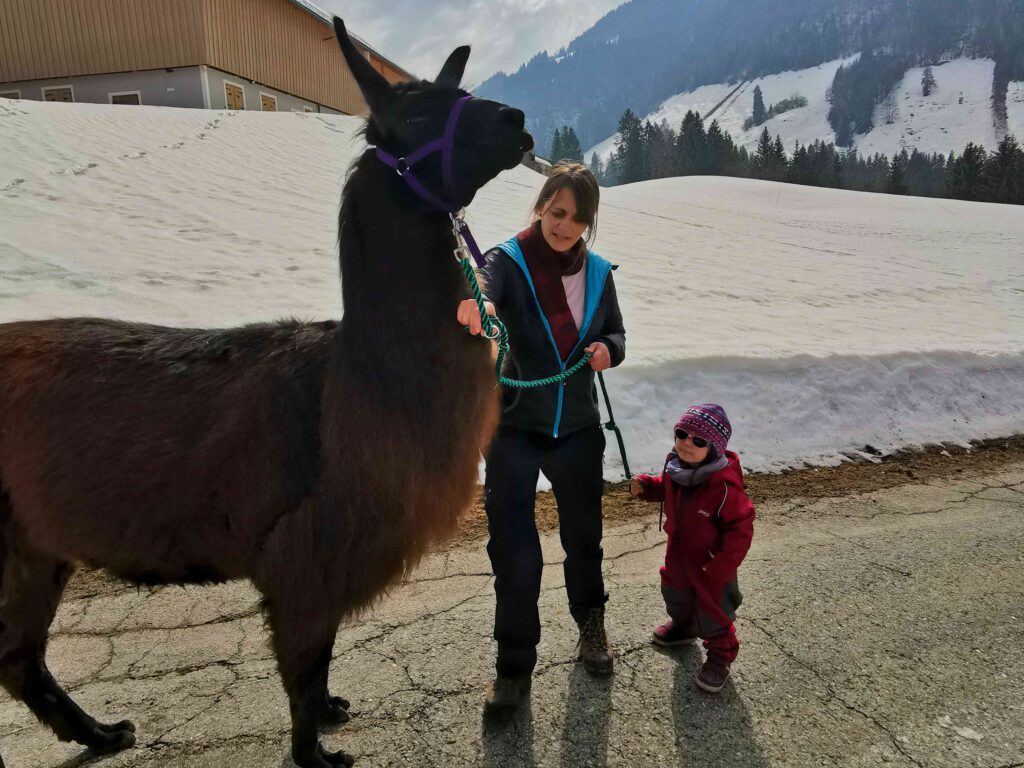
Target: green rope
494,329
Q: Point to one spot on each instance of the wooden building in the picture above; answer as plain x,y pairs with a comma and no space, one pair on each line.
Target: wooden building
213,54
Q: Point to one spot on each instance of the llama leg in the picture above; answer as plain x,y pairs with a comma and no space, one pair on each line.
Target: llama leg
302,639
334,709
31,584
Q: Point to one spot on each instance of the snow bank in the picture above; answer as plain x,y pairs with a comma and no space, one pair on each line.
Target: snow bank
823,320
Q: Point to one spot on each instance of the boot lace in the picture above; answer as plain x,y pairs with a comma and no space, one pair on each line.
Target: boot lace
592,634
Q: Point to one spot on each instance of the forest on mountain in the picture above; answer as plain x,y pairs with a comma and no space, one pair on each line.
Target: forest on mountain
648,50
646,150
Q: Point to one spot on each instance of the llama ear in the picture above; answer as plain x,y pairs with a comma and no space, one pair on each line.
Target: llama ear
374,87
453,69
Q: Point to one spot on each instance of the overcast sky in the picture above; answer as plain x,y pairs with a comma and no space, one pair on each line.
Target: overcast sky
419,34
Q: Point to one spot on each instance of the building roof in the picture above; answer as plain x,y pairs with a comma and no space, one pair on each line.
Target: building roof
328,19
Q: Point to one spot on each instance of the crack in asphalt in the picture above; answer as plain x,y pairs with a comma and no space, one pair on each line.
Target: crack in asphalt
833,694
813,506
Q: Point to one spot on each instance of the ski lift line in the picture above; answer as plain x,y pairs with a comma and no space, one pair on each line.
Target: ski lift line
728,96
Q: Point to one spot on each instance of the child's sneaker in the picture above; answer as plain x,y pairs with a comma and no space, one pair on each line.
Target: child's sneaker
670,635
713,675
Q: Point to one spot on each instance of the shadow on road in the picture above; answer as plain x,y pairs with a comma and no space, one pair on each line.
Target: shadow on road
585,736
711,729
508,742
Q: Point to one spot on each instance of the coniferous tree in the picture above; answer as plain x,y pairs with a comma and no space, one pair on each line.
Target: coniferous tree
557,146
1003,175
720,149
691,146
759,110
928,83
967,179
894,183
763,155
571,149
629,151
662,140
596,168
778,163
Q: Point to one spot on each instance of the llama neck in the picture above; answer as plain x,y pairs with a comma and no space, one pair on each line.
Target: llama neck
396,260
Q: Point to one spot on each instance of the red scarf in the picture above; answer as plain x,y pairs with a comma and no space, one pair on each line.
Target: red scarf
547,267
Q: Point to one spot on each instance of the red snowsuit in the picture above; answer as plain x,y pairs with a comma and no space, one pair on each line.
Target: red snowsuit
710,527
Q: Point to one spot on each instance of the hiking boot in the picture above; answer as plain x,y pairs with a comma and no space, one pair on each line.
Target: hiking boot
713,675
506,694
670,635
594,649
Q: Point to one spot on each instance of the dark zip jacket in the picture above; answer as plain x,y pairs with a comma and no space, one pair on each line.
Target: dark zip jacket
554,409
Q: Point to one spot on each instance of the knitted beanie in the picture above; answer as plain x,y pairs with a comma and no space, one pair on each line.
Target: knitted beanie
710,422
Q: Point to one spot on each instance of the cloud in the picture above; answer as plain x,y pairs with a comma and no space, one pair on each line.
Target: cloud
419,34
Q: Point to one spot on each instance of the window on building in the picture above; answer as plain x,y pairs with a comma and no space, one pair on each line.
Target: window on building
59,93
268,103
10,94
128,97
234,96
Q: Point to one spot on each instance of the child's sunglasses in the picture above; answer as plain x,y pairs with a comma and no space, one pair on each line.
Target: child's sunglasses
699,442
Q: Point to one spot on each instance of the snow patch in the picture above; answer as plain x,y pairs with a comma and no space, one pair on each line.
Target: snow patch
957,112
823,320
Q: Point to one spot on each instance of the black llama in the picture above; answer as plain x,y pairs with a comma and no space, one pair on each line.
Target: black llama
319,460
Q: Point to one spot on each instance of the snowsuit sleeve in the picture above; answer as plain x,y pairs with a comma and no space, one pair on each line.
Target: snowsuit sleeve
653,487
736,523
613,334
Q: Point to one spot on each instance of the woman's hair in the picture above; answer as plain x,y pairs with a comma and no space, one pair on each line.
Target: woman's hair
580,180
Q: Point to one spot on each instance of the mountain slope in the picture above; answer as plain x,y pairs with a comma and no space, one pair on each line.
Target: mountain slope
957,112
646,51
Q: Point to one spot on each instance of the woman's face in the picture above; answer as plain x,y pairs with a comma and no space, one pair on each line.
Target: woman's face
558,221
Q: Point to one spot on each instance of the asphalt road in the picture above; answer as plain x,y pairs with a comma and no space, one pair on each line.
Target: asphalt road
879,629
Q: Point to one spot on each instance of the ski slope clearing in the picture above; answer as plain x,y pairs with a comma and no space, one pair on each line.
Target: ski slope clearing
822,320
958,112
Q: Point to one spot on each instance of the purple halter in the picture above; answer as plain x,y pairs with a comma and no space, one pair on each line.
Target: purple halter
446,146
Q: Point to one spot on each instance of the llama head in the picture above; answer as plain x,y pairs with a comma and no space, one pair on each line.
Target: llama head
489,136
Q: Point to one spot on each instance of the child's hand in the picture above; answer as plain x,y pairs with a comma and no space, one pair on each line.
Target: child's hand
636,486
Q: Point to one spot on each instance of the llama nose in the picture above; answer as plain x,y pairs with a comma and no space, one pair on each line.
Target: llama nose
513,117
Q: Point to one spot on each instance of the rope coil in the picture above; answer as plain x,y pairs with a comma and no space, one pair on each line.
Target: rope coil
494,329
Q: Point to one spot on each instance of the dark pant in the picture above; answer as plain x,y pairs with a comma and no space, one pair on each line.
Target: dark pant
573,464
720,641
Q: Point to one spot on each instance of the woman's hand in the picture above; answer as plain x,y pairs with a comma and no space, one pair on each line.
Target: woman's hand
602,359
469,315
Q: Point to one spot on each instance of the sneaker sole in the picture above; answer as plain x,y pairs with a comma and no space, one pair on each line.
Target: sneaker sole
707,686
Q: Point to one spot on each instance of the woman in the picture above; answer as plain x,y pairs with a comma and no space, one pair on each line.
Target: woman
557,301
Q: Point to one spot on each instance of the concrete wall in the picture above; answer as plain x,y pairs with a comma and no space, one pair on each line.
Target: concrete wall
178,88
285,102
183,87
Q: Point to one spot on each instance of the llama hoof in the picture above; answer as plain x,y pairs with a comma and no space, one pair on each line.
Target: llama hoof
123,725
335,711
324,759
107,739
339,758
